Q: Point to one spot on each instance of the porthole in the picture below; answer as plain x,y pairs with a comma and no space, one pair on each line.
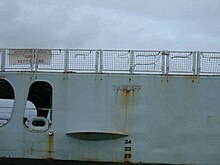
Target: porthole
38,112
7,97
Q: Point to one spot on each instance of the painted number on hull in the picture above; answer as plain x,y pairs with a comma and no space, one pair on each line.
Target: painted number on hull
127,148
127,141
127,156
127,152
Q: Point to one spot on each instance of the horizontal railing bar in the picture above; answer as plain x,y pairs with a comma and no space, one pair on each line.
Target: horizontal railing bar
82,49
127,50
180,72
135,50
210,72
211,52
180,51
133,71
5,107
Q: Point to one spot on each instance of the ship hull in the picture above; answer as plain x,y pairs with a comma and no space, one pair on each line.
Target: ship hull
113,118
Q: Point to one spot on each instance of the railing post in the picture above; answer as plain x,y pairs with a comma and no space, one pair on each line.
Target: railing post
66,61
163,69
194,64
36,59
97,61
3,60
167,64
198,68
101,60
131,62
32,60
166,54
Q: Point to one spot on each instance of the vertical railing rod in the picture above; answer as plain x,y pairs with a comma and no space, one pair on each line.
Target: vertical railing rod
36,60
163,67
194,69
3,60
66,61
166,61
101,61
32,60
198,68
97,61
131,69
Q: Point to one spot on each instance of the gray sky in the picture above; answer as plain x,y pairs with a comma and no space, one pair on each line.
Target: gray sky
112,24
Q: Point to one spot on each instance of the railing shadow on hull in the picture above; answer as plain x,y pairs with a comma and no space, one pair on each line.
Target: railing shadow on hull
111,61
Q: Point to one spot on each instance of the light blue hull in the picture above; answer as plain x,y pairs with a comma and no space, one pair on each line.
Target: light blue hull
118,118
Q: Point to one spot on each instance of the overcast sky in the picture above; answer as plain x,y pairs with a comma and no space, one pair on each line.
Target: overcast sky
111,24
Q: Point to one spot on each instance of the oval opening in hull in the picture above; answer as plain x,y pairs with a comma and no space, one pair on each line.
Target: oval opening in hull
96,136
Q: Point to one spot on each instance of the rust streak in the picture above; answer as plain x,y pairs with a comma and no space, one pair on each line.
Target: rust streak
126,99
50,147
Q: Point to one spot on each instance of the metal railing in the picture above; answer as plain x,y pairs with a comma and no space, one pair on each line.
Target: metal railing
110,61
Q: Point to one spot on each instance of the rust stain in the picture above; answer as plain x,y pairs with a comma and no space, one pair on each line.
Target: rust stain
126,94
125,106
50,147
125,101
193,79
128,98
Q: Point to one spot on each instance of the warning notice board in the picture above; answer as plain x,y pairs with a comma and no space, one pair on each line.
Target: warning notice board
24,56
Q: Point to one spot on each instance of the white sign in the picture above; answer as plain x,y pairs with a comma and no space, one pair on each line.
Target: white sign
24,56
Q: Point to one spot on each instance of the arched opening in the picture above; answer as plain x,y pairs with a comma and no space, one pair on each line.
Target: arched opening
38,112
7,97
